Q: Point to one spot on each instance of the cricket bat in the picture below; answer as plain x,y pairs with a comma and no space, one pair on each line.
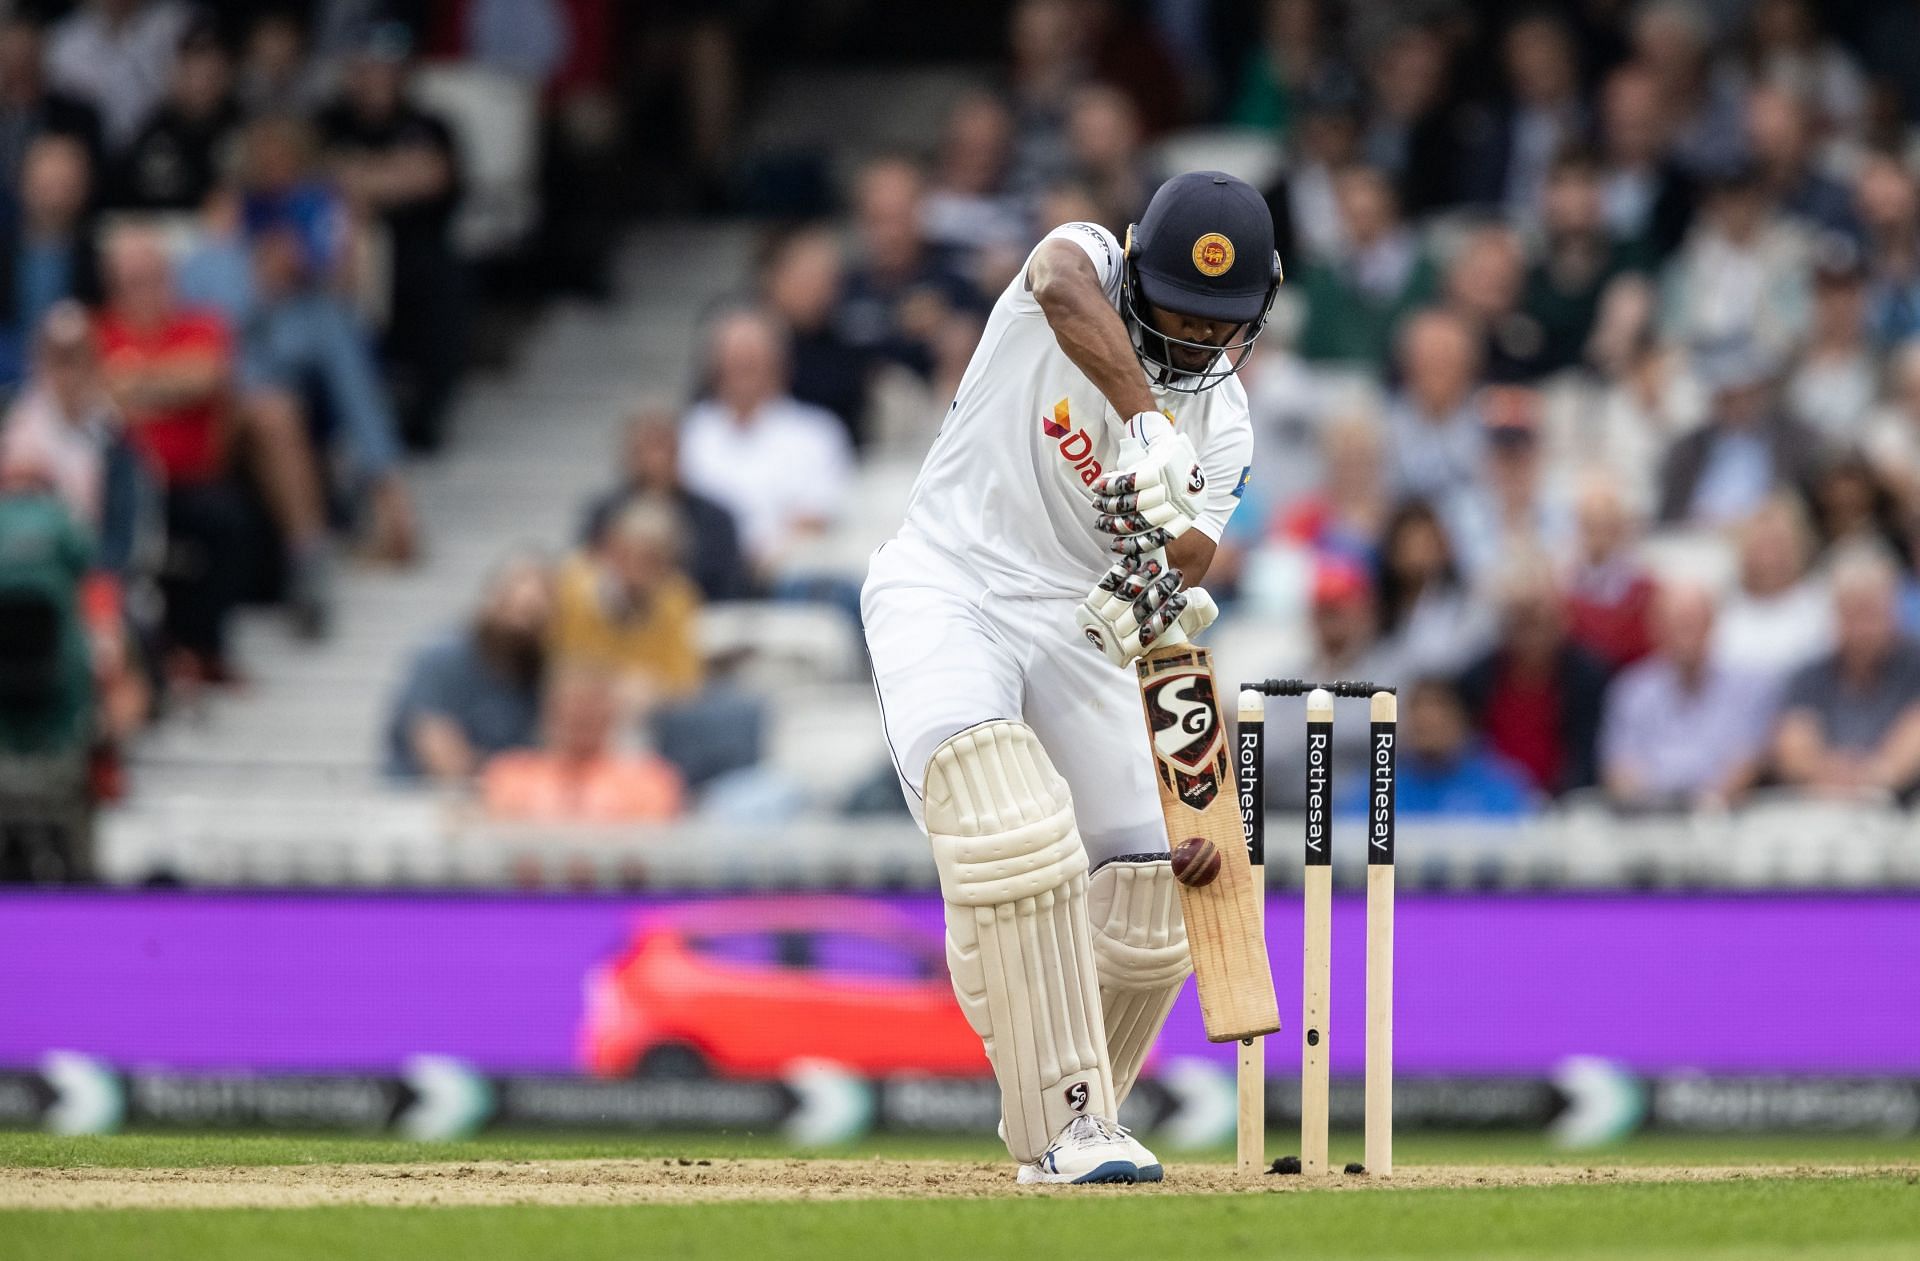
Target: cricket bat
1199,796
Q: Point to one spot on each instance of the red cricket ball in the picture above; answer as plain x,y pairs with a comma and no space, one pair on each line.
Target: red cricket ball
1196,861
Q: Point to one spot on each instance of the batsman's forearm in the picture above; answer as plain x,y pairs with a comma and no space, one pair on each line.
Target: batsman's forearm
1093,337
1191,554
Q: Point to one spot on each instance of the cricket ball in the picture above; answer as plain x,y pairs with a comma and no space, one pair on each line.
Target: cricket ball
1196,861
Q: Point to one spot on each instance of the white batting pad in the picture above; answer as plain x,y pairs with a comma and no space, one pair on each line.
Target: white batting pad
1140,949
1014,876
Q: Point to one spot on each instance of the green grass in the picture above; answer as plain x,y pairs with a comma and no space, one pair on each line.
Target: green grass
1854,1220
162,1149
1833,1219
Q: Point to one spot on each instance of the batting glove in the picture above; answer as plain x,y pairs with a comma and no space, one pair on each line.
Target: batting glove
1155,498
1138,603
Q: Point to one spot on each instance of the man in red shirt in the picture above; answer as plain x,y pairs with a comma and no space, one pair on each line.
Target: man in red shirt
169,373
1537,695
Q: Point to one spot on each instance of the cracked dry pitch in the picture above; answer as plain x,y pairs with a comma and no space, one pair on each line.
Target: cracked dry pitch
655,1181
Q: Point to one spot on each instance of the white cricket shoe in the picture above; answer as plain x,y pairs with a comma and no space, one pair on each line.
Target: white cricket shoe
1093,1149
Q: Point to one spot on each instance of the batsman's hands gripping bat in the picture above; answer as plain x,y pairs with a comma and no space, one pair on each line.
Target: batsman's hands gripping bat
1154,497
1139,603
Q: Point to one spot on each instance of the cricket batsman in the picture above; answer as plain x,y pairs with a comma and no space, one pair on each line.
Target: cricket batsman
1099,418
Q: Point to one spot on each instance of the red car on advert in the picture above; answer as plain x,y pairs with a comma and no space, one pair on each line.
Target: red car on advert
742,988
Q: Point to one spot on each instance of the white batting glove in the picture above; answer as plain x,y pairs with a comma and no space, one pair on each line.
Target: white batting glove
1137,604
1155,497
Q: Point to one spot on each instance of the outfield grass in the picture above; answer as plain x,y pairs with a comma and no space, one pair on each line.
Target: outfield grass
163,1149
1855,1220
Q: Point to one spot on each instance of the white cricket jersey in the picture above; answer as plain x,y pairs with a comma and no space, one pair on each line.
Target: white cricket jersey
1005,489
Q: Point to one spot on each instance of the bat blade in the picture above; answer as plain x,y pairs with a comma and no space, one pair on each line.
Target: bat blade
1199,797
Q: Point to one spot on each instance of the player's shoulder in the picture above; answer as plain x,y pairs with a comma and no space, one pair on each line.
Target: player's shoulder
1090,237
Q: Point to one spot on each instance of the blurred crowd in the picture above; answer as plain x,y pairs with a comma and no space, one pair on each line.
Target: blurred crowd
1589,415
234,296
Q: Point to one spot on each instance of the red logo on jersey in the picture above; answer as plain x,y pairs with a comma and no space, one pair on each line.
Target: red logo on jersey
1076,447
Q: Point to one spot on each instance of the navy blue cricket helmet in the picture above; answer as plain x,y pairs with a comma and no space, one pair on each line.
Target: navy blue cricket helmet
1204,248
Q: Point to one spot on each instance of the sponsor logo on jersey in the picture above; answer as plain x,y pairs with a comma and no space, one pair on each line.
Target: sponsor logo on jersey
1212,254
1099,234
1058,425
1240,487
1074,445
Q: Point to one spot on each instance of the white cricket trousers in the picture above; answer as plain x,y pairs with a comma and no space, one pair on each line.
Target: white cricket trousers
948,655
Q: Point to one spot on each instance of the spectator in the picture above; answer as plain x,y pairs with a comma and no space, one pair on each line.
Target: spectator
1889,210
1787,51
176,159
1411,136
475,693
899,292
1646,400
29,108
1431,623
628,613
1296,62
1434,430
1103,144
1049,57
779,466
46,689
1673,40
1346,514
306,367
1609,592
801,283
1579,259
1778,617
1648,198
275,76
968,208
1344,646
117,55
1854,506
68,427
1513,146
1850,721
1722,471
711,555
1892,438
49,251
1683,730
527,39
1832,387
398,162
1742,275
169,371
1307,223
1779,129
274,444
1354,303
1446,770
1537,694
576,776
1485,285
1507,508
